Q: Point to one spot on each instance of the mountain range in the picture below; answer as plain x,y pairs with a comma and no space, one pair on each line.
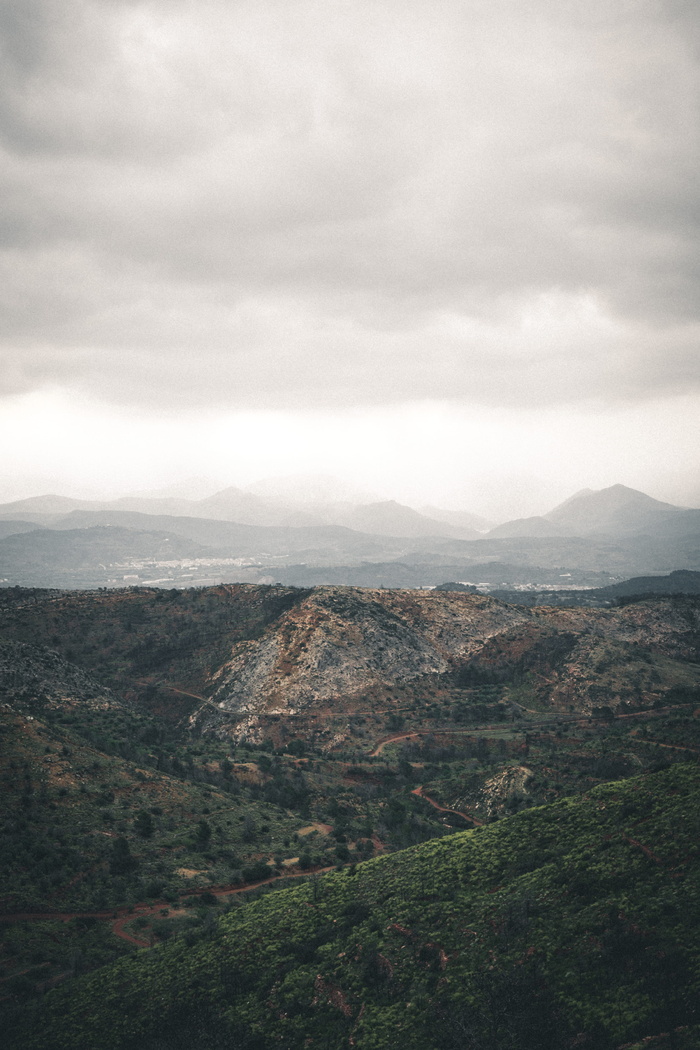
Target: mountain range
236,534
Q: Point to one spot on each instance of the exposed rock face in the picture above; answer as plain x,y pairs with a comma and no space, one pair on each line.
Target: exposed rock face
618,656
498,791
340,642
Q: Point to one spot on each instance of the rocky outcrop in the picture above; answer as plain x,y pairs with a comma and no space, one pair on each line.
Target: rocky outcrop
340,643
503,789
33,678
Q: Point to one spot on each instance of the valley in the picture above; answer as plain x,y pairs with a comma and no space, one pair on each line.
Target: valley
170,755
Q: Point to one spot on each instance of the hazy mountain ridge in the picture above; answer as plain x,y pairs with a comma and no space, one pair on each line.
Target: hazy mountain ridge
535,526
682,581
232,504
617,531
38,551
14,528
615,509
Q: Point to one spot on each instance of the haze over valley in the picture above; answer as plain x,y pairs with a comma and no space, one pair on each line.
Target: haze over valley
234,535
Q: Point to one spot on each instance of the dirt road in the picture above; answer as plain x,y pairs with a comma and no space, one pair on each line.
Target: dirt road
444,809
121,916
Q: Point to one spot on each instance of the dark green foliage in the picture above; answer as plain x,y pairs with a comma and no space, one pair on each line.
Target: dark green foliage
121,861
124,636
79,777
496,663
143,824
202,834
568,926
256,872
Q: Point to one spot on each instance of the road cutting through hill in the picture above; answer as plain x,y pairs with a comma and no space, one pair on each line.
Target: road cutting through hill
445,809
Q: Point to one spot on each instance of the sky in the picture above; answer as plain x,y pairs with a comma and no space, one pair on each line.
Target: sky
446,252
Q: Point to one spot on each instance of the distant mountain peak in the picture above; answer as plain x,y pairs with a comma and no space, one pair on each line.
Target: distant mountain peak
616,508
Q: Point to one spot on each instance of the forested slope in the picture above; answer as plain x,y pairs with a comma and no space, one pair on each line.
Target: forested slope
570,925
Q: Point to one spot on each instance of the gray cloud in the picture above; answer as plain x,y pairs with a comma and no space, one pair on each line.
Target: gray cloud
305,202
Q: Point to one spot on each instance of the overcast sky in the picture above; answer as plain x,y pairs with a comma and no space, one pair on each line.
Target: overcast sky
444,250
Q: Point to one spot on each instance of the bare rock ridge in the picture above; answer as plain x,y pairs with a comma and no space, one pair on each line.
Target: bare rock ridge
337,644
341,641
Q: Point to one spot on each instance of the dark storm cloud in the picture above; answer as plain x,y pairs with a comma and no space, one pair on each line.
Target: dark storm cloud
289,202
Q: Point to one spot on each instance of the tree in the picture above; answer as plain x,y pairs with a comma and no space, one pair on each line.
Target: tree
121,861
203,834
143,824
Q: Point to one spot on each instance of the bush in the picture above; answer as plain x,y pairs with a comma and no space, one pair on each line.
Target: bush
256,872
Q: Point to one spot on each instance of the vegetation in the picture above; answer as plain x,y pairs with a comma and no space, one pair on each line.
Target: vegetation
140,633
568,925
117,818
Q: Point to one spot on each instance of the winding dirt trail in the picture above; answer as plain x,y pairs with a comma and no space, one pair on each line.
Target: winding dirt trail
498,727
674,747
556,720
413,735
121,916
445,809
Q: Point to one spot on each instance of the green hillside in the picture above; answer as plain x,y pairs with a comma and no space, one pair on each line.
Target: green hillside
569,925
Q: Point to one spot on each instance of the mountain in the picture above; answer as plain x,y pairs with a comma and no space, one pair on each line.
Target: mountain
91,542
389,518
169,755
682,581
615,509
618,532
245,507
234,504
569,926
209,551
43,507
343,643
13,527
88,555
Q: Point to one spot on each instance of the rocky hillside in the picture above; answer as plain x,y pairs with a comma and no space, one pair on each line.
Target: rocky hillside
338,644
32,678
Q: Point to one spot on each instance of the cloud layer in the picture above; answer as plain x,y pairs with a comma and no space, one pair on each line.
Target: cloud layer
279,204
